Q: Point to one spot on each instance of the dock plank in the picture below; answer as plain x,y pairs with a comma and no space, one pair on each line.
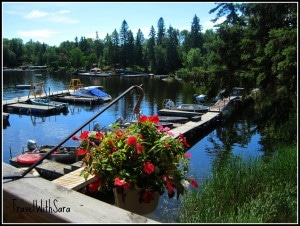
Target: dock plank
31,106
74,180
36,200
184,128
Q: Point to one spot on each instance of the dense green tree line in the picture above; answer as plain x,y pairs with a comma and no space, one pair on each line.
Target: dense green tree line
255,47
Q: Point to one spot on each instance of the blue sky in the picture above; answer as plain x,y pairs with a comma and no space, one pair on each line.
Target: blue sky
53,23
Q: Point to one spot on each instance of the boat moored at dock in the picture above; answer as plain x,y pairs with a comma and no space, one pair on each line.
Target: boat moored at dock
23,86
60,106
34,153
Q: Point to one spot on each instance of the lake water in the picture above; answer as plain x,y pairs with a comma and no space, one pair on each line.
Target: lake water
238,136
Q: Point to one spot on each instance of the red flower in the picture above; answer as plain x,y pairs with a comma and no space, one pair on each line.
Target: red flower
99,135
131,141
194,182
188,155
143,118
75,138
148,168
148,196
112,146
95,184
81,152
122,183
84,135
170,186
183,140
154,119
138,148
167,145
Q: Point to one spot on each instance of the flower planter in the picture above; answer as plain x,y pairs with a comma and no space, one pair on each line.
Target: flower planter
142,155
130,201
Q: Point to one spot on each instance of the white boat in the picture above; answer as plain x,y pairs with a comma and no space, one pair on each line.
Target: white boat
92,92
169,104
135,75
192,107
23,86
95,72
47,102
200,98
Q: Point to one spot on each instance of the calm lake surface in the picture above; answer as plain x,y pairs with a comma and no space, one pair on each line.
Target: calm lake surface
238,136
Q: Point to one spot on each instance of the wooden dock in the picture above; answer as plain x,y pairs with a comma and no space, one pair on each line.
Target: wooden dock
19,105
5,116
75,181
220,105
187,127
33,199
30,108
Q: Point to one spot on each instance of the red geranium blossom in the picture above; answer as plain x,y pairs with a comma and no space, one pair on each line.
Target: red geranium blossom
84,135
95,185
143,118
82,152
138,148
131,141
188,155
154,119
194,182
75,138
99,135
148,168
122,183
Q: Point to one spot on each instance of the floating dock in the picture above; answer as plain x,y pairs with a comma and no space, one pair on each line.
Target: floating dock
31,109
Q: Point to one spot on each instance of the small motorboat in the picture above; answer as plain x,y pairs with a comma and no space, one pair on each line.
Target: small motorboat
169,104
192,107
34,153
23,86
92,92
60,106
200,98
95,72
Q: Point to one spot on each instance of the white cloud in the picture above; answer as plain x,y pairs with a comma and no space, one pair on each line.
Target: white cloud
43,33
56,17
63,11
210,25
36,14
62,19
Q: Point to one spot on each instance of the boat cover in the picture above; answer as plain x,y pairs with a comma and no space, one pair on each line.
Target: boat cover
92,92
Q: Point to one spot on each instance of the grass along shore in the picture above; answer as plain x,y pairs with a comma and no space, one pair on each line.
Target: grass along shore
262,190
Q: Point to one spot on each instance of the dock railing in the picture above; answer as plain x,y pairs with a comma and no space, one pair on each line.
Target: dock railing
136,111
